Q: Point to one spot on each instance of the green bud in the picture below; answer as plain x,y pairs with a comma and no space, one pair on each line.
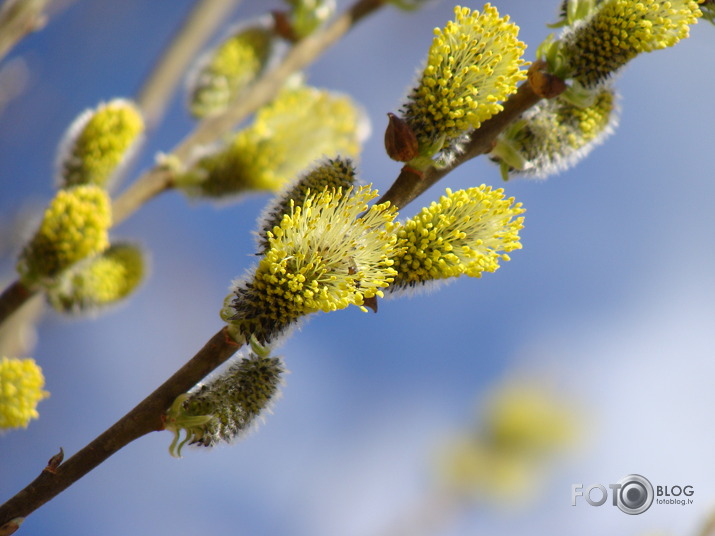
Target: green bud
99,281
228,406
98,143
556,134
75,226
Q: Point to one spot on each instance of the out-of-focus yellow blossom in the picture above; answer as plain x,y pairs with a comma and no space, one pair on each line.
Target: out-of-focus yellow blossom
98,142
522,427
227,70
75,226
302,125
21,383
100,281
306,16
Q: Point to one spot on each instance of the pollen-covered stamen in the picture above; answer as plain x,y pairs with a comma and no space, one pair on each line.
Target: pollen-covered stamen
325,175
466,232
331,252
473,64
619,30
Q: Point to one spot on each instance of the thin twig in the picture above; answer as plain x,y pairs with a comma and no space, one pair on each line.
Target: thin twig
12,298
17,19
144,418
160,177
303,53
410,183
147,416
199,25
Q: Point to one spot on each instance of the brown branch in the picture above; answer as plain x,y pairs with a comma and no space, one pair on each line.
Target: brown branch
160,177
17,19
199,25
12,298
411,183
147,416
301,55
144,418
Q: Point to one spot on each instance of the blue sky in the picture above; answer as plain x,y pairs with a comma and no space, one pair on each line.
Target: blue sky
612,299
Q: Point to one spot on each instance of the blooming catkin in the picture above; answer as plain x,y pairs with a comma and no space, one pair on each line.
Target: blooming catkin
300,126
472,65
224,72
335,174
306,16
21,383
99,281
619,30
98,142
466,232
330,252
75,226
555,134
226,407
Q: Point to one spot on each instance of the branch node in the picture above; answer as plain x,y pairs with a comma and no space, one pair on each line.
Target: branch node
545,84
54,462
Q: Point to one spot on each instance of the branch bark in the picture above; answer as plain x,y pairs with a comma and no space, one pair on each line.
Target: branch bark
160,178
200,24
410,183
12,298
144,418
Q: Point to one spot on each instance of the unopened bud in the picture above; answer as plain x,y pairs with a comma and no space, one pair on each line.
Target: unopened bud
544,84
400,140
228,406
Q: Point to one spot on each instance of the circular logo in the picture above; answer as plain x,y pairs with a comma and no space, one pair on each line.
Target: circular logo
635,494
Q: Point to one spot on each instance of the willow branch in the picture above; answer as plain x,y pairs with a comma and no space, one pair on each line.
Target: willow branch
302,54
410,183
160,177
146,417
12,298
199,25
17,19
